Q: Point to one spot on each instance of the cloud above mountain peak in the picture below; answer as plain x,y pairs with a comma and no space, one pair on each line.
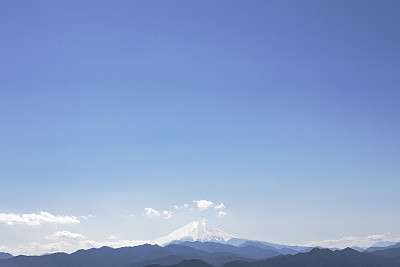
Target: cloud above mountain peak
203,204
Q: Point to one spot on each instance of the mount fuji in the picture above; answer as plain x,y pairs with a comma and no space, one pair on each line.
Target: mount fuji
196,231
201,231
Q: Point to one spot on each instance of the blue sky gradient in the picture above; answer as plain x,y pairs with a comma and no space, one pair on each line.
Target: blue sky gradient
285,111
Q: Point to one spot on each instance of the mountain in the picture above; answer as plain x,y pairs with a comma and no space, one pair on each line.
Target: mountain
101,257
358,249
321,258
249,251
187,263
195,231
383,244
4,255
201,231
392,254
315,258
216,257
138,256
182,256
281,250
371,249
168,260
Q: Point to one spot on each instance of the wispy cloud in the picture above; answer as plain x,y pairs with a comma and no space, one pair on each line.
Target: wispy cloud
155,213
152,212
222,214
376,237
181,207
36,219
65,234
167,214
87,217
113,237
220,206
203,204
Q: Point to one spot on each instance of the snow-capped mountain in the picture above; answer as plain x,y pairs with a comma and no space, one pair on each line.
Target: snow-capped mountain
195,231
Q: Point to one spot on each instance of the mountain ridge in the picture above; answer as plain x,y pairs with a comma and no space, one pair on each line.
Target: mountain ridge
182,256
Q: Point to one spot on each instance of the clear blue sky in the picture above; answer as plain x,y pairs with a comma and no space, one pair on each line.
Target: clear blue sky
286,111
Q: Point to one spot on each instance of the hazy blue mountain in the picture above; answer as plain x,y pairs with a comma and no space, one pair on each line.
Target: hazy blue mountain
101,257
236,241
391,254
126,256
189,252
187,263
371,249
315,258
57,259
221,258
194,254
277,246
249,251
214,257
4,255
383,244
123,257
284,250
321,258
358,249
169,260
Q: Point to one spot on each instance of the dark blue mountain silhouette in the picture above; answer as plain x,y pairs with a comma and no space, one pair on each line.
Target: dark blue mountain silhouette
390,254
206,254
4,255
321,258
249,251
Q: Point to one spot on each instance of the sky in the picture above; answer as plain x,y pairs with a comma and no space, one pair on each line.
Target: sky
125,120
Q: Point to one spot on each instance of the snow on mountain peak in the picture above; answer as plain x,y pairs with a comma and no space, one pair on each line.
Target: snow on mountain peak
195,231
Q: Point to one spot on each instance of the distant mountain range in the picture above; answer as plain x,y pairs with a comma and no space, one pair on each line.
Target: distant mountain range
371,249
207,254
315,258
198,244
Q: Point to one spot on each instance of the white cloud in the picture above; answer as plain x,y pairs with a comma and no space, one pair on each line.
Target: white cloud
376,237
167,214
155,213
36,219
181,207
220,206
203,204
113,237
152,212
87,217
65,234
37,248
222,213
